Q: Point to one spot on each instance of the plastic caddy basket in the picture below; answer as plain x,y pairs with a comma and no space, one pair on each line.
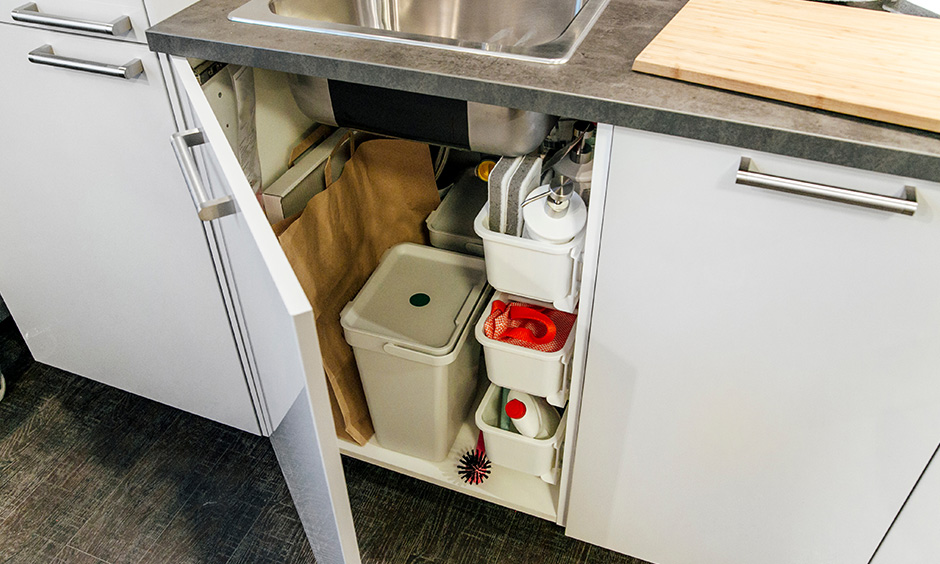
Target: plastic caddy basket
532,269
534,372
539,457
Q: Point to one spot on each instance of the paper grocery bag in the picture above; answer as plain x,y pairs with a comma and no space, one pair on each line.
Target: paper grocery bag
382,198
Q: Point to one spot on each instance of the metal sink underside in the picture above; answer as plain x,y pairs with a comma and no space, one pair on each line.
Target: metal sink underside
545,31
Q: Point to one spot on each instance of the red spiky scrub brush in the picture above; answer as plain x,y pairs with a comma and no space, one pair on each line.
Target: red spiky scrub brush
474,467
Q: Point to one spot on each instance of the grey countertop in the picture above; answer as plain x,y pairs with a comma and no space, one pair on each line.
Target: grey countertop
596,84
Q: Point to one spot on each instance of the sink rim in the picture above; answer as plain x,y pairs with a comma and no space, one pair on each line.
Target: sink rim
556,51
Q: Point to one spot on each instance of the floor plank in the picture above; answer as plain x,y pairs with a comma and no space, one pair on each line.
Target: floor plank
214,522
34,549
159,484
277,536
32,448
70,555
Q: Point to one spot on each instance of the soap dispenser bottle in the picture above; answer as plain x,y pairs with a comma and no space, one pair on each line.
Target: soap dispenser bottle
560,218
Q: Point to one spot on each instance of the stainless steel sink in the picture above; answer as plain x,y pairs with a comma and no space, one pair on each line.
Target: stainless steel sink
545,31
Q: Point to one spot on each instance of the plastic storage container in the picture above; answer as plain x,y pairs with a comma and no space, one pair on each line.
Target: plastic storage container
451,224
527,370
532,269
409,328
540,457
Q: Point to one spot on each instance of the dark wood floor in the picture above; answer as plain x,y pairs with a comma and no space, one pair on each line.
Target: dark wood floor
90,474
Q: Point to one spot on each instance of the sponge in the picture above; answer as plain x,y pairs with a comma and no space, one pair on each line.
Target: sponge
525,179
498,184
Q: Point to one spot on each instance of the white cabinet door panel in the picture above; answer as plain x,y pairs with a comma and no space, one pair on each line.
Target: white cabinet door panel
915,537
761,382
278,324
103,262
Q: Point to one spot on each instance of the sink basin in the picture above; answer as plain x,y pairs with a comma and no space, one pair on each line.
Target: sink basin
478,127
545,31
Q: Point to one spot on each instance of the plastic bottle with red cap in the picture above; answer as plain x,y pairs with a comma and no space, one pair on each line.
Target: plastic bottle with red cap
532,416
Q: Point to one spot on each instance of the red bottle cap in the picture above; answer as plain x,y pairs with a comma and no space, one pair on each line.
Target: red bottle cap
515,409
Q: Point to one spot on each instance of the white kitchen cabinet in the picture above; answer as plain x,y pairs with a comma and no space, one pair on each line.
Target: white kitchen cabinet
277,321
761,383
107,271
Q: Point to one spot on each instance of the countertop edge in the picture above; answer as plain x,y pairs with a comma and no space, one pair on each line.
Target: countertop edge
792,143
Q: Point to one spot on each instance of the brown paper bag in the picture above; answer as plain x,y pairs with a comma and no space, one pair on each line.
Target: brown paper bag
382,198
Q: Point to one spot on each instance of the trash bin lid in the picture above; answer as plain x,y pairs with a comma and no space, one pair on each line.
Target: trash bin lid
419,297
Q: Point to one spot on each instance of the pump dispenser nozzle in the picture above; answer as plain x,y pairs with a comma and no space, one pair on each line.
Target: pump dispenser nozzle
559,196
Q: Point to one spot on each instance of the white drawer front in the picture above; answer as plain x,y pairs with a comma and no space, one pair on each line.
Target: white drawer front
73,16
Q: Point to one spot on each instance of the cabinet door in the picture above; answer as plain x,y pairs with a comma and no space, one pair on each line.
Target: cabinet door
761,382
102,263
277,323
914,537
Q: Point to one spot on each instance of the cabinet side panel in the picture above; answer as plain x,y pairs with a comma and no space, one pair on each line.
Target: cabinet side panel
595,226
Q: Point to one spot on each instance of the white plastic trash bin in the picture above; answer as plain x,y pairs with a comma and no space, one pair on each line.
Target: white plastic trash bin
543,374
409,328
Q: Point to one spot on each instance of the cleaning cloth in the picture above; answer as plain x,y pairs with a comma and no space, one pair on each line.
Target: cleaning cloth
533,327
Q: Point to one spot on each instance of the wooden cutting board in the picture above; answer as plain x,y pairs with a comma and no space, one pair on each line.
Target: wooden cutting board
864,63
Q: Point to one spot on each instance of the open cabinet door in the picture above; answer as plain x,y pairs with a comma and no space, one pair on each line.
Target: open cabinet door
274,322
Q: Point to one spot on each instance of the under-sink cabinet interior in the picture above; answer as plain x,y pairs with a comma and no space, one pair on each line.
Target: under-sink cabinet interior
734,331
280,127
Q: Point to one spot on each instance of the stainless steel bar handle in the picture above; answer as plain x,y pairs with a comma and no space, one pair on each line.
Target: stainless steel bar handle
208,209
46,56
749,177
29,13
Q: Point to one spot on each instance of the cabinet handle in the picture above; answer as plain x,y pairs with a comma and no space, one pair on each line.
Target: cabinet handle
208,209
29,13
46,56
749,177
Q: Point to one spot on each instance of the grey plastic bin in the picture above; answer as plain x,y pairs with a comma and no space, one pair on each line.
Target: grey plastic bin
410,329
451,224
